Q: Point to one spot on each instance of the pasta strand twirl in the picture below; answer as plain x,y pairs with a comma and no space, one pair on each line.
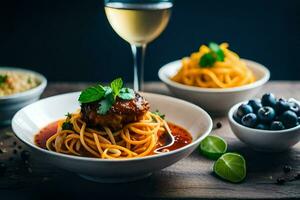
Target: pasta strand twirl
136,139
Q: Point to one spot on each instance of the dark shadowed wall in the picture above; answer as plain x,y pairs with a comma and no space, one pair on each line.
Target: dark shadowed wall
72,40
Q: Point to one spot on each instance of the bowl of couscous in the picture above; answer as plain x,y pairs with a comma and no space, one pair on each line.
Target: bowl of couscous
18,88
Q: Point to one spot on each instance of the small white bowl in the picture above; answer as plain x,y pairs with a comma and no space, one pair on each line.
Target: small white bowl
264,140
10,104
29,120
215,100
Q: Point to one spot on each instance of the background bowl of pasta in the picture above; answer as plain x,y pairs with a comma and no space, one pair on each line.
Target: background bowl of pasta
29,120
18,88
217,85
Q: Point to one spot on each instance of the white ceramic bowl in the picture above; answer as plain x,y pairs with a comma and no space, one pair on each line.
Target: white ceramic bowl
29,120
10,104
264,140
215,100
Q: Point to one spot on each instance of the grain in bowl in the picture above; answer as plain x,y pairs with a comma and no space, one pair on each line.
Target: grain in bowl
12,82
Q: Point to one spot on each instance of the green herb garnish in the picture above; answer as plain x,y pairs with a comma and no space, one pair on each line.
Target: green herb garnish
67,125
215,54
3,79
106,95
68,115
92,94
159,114
29,80
106,103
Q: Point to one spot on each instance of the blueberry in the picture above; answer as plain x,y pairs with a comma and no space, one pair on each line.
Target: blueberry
268,99
289,119
295,108
277,125
243,110
255,104
262,126
281,106
266,114
249,120
236,118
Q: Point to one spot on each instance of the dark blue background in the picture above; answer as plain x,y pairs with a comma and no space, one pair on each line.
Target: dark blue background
72,40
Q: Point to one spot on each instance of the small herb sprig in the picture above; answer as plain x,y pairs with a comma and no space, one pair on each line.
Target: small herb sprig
67,125
106,95
215,54
157,112
3,79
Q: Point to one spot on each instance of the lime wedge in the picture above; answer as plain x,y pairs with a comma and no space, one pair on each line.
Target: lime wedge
231,167
213,147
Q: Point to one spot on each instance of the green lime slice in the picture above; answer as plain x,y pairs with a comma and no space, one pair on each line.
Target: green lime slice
231,167
213,147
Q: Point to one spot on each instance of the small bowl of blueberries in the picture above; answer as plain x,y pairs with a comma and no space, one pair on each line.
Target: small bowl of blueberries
268,124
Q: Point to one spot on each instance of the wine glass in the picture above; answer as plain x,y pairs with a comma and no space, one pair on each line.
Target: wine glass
138,22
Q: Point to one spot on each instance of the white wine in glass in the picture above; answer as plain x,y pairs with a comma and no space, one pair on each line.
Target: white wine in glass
138,22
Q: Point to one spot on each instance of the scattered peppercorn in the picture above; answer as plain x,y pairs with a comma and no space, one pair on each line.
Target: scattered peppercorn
14,143
19,147
219,124
280,181
15,151
29,170
2,168
287,168
25,155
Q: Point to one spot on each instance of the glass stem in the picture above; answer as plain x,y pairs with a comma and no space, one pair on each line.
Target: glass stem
138,59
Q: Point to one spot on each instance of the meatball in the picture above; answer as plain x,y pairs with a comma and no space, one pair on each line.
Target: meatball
120,114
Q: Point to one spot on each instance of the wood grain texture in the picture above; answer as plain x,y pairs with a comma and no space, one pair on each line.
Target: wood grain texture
190,178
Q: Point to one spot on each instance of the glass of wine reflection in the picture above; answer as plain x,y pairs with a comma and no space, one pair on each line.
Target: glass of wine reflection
138,22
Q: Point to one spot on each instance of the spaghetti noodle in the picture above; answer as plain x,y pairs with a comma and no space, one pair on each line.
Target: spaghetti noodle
232,72
136,139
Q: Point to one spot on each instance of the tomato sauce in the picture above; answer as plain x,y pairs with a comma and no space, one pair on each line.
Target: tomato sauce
182,136
44,134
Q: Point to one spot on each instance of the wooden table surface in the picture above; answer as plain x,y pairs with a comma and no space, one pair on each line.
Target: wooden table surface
190,178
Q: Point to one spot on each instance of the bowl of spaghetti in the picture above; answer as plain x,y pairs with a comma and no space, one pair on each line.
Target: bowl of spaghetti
214,78
111,142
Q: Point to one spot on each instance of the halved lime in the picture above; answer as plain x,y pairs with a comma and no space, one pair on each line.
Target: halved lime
213,147
231,167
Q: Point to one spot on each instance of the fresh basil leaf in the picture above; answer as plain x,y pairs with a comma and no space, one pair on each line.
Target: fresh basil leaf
219,54
126,94
91,94
108,91
159,114
105,104
207,60
116,86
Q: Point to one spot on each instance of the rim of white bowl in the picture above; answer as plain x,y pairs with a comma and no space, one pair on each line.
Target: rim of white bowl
231,119
204,134
29,92
166,79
